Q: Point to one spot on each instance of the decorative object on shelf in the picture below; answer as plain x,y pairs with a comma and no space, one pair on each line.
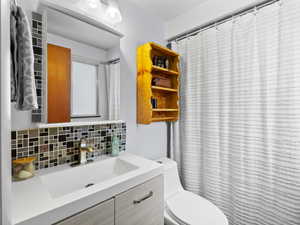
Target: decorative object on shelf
23,168
160,61
157,84
161,82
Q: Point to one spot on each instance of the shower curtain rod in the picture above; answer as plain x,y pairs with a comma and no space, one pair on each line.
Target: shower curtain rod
13,2
113,61
222,20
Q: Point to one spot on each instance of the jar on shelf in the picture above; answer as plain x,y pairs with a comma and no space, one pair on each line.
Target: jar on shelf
23,168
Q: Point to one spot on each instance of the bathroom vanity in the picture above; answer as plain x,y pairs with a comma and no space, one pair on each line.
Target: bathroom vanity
126,190
78,74
125,208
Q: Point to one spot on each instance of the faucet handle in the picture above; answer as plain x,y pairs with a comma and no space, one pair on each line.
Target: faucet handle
89,149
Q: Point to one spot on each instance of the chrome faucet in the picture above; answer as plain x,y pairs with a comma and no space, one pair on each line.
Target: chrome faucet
84,149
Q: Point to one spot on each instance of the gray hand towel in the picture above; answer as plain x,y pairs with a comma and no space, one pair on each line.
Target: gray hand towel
23,81
14,53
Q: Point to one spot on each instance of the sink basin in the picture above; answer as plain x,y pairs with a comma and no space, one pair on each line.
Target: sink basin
73,179
62,191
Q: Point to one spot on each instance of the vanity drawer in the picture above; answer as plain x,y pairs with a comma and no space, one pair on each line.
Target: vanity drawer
102,214
142,205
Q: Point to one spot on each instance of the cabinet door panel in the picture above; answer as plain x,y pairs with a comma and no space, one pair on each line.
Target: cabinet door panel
102,214
142,205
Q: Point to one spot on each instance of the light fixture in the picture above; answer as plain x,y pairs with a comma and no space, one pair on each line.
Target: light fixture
93,3
112,11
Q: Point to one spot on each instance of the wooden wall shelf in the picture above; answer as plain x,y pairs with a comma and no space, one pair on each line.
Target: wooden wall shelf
163,50
163,70
167,97
164,89
165,110
159,119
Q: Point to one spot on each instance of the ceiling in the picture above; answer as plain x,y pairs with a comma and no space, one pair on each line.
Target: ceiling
167,9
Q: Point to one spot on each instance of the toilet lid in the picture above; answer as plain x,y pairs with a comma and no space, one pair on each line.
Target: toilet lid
190,209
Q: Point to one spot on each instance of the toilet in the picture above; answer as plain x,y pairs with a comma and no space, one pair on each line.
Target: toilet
183,207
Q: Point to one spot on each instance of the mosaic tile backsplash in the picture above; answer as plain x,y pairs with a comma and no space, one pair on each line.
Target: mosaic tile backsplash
37,42
60,145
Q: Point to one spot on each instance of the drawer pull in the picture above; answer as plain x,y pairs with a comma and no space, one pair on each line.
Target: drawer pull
144,198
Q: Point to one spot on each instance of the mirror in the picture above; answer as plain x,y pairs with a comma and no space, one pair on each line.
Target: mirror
83,70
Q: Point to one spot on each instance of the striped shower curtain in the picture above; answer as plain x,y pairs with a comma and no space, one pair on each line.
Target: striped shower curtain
238,139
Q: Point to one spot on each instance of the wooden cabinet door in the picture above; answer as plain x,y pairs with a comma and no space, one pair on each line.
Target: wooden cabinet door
59,84
142,205
102,214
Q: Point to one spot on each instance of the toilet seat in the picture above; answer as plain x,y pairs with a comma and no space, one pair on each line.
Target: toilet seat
187,208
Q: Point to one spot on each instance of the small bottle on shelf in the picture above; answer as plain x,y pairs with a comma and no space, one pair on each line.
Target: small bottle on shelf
167,63
154,103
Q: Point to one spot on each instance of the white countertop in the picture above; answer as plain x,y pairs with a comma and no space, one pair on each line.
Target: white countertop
78,123
33,204
73,123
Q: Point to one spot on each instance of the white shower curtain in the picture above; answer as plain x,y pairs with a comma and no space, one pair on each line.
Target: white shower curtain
113,90
239,131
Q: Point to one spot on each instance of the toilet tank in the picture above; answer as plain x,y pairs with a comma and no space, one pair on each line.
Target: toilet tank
172,183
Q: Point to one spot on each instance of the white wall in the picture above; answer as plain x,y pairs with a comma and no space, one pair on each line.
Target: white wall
138,27
5,154
203,13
